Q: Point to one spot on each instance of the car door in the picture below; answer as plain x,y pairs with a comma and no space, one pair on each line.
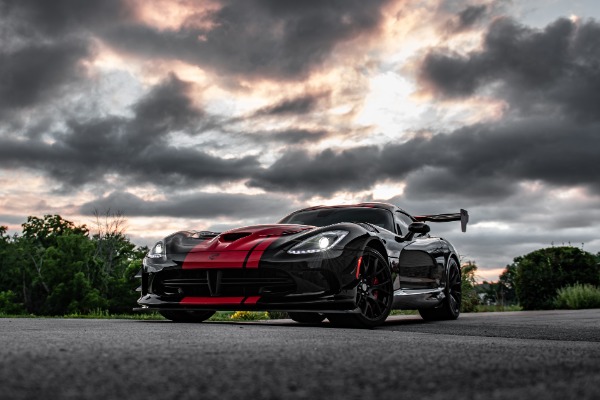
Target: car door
420,266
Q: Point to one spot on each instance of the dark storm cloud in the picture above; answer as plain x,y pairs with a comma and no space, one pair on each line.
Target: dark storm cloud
32,73
43,44
198,205
480,161
296,136
324,173
167,108
554,67
267,39
468,18
291,136
58,18
135,148
295,106
471,15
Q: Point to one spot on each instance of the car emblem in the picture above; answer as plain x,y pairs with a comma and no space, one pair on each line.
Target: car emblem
214,256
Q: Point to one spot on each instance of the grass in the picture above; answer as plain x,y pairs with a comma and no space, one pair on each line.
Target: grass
93,315
404,312
497,308
104,314
577,297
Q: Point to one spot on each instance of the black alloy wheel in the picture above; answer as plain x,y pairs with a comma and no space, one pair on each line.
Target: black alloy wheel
306,317
374,294
186,315
450,307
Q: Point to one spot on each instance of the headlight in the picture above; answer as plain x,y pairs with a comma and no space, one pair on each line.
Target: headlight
157,251
321,242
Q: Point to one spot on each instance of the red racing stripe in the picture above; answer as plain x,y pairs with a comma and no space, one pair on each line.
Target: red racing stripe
216,259
257,252
251,299
211,300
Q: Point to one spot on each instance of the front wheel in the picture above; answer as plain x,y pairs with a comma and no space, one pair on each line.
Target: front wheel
450,307
374,293
186,315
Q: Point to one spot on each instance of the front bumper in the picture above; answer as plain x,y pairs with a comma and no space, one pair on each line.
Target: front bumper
323,283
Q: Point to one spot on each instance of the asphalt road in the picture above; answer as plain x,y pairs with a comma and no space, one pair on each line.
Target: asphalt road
521,355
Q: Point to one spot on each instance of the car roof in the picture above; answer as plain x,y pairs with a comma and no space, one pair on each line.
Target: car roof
385,206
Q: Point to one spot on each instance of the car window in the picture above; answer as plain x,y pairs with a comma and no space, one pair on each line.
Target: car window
328,216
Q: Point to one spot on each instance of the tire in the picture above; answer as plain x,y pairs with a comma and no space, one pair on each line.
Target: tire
374,294
187,315
449,309
307,317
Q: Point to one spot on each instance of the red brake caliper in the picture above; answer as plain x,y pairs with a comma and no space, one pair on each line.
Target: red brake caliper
358,267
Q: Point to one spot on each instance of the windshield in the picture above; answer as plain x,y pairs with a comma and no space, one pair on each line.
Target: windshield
329,216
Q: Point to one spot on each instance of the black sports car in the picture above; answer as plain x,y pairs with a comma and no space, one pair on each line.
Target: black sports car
351,264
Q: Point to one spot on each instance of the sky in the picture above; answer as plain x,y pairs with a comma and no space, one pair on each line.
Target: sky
215,114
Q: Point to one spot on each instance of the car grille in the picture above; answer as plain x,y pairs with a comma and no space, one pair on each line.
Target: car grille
223,282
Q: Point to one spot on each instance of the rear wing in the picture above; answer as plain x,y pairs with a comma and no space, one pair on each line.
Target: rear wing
462,216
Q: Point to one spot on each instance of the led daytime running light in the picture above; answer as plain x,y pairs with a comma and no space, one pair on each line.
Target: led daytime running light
158,250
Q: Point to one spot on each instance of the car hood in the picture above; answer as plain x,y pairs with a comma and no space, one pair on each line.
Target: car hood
238,248
247,238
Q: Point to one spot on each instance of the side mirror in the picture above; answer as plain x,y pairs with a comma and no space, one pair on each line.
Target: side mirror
419,227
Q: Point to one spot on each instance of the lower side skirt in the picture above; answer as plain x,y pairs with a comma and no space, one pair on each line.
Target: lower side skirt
413,299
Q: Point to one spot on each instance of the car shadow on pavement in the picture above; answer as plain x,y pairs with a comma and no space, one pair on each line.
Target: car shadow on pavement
396,321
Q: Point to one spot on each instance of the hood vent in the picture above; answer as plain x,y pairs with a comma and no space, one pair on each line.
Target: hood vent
232,237
291,232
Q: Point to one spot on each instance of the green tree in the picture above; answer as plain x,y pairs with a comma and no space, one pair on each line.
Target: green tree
68,266
470,298
48,255
123,295
45,231
8,272
117,260
541,273
9,303
74,296
507,293
55,267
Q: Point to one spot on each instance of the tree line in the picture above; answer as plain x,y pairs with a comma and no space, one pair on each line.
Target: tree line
56,267
534,280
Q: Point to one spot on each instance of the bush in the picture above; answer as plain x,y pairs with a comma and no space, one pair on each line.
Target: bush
277,315
578,296
249,315
541,273
9,304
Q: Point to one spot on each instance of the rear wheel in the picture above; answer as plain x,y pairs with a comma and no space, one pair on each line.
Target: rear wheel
374,294
450,307
187,315
306,317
